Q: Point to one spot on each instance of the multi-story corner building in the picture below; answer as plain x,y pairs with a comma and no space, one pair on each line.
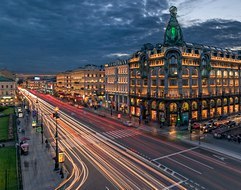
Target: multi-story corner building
83,84
176,81
117,86
7,91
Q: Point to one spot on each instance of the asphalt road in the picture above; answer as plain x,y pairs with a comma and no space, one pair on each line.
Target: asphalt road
201,168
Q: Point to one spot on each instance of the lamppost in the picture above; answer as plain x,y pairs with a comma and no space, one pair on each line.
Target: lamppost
42,130
56,116
37,110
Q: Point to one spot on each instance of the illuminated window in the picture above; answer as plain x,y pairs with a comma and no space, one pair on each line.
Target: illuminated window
219,74
225,74
204,82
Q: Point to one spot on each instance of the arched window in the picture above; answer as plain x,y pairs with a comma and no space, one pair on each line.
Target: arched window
172,65
236,74
212,103
219,73
185,72
225,74
153,105
204,104
236,100
162,106
194,72
173,107
219,102
230,74
225,101
212,73
161,71
153,72
185,106
194,105
230,100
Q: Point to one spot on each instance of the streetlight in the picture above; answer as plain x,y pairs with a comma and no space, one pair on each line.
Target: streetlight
42,130
56,116
37,110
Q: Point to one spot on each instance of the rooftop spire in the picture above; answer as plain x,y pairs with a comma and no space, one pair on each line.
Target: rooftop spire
173,33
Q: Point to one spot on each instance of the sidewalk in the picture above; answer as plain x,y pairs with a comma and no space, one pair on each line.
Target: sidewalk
207,142
37,166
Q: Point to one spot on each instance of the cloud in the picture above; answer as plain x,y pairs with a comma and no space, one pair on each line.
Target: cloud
45,36
118,55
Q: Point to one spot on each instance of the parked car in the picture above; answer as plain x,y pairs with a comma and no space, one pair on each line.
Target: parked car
231,123
128,123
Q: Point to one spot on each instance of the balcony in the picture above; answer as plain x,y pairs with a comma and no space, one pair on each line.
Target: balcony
135,59
225,59
158,55
190,55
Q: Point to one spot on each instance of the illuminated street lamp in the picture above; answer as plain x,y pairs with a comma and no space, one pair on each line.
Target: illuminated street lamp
56,116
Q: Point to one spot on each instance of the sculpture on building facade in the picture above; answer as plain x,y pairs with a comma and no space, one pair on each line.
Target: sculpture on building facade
173,34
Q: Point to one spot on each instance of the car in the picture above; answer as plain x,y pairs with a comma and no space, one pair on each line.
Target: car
128,123
221,117
231,123
207,128
196,126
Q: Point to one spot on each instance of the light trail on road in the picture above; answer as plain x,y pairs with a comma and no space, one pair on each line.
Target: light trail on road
120,166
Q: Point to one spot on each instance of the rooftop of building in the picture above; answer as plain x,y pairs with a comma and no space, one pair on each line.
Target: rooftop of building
116,63
5,79
173,38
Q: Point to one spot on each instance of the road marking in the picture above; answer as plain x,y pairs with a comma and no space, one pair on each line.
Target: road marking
175,153
219,157
175,184
197,161
185,166
121,133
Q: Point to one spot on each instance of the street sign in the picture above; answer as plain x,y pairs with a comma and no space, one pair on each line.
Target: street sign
61,157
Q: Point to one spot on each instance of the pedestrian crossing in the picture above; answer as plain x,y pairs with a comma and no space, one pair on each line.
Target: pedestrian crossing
122,133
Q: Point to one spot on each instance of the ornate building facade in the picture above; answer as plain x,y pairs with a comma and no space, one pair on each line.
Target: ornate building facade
117,86
85,84
176,81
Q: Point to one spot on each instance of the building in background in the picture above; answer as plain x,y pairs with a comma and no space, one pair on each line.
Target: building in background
44,84
7,91
117,86
176,82
83,85
8,74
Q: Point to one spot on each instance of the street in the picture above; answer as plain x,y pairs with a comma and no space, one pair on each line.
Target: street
198,168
